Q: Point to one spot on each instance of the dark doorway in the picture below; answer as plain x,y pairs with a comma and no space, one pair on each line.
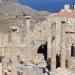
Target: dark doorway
43,50
57,61
72,50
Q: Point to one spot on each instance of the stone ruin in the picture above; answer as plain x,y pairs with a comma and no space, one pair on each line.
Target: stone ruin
40,48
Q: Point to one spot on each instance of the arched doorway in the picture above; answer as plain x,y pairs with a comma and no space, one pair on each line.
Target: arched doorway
43,50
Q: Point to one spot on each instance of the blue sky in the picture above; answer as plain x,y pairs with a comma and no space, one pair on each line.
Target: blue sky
48,5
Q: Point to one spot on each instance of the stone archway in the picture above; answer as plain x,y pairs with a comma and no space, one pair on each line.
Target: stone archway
43,50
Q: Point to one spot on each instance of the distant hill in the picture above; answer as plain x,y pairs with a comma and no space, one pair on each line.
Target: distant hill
12,7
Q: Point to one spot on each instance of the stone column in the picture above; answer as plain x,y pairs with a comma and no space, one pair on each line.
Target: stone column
49,42
28,23
58,36
49,50
13,57
14,65
28,30
49,47
14,34
53,49
63,47
28,36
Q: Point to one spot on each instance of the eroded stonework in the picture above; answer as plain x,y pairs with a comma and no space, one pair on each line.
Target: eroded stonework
27,47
